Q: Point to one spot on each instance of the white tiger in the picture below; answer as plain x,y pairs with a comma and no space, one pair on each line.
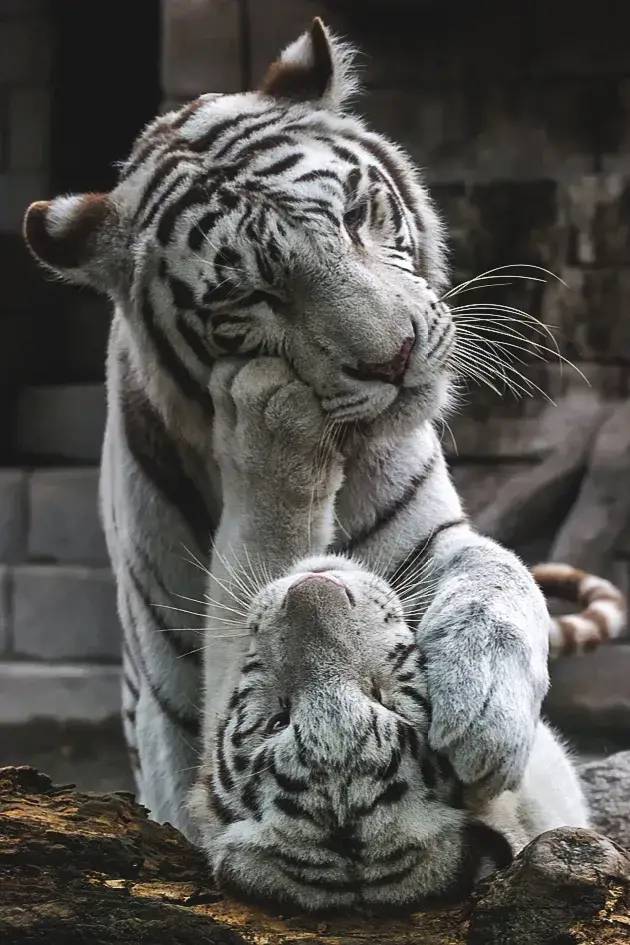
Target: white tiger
276,222
321,789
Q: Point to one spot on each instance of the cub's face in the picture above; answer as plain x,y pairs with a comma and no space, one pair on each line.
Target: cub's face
271,222
323,792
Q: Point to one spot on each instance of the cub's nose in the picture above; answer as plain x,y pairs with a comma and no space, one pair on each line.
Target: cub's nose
314,580
392,372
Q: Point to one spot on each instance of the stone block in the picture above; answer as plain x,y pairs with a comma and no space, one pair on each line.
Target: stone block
479,484
26,45
5,609
488,132
201,48
17,190
598,211
591,314
61,422
65,612
64,519
70,692
590,693
13,514
29,131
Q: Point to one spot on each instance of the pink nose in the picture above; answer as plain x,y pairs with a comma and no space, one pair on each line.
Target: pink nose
314,576
392,371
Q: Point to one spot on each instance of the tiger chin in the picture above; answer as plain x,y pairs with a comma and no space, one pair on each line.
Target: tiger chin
323,793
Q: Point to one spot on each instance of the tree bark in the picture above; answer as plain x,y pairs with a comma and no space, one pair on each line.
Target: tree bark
78,869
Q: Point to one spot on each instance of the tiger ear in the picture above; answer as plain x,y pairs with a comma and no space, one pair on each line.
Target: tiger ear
316,67
75,237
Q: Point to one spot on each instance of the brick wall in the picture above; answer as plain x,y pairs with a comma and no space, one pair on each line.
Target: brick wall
59,633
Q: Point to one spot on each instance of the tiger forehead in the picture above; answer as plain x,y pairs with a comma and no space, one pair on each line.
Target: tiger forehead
267,144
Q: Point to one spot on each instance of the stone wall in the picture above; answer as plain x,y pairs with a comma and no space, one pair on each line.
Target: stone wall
517,112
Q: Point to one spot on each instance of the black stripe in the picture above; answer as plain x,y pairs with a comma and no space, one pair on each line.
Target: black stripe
223,772
321,174
412,693
388,514
170,360
194,341
240,734
160,201
421,551
286,782
195,196
135,692
254,148
279,167
291,808
190,724
247,132
209,137
161,172
202,228
183,295
392,767
156,454
391,795
222,811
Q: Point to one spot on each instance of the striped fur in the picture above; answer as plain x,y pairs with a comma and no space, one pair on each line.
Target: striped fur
276,222
323,792
603,615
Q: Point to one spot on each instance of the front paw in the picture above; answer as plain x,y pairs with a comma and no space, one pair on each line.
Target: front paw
485,709
270,434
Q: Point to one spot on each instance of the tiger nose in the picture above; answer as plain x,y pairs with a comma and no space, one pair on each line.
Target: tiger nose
392,371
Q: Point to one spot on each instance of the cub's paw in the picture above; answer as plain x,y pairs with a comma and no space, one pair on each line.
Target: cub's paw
270,432
485,707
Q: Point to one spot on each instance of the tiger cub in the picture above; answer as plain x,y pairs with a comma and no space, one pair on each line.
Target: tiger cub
323,791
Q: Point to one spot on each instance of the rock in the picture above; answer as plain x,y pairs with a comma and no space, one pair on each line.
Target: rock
78,868
600,518
607,787
567,886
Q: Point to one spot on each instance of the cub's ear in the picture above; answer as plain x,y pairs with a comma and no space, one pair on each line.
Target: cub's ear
316,67
76,237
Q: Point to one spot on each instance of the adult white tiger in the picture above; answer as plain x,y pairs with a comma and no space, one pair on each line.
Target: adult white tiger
275,222
321,789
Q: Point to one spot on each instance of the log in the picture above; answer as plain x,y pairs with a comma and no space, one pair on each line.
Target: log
78,868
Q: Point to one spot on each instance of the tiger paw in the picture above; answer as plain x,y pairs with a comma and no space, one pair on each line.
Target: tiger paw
271,439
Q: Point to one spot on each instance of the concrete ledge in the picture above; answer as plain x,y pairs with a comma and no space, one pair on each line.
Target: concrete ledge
86,692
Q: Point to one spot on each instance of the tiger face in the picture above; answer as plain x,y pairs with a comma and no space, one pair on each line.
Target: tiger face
270,222
323,793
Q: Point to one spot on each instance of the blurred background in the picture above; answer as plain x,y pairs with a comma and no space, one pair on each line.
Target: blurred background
519,113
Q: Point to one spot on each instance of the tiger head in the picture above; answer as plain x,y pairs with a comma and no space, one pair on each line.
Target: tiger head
322,792
271,221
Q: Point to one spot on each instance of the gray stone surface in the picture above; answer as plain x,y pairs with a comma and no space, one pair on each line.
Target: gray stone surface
607,787
65,612
591,693
13,514
29,691
61,421
600,518
5,608
64,521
